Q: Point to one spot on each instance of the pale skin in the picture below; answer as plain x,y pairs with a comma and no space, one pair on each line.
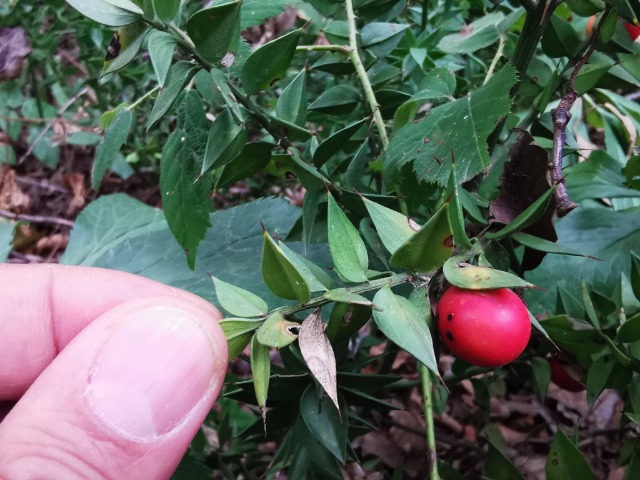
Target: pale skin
113,374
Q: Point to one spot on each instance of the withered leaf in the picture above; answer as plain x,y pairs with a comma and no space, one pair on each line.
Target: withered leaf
14,48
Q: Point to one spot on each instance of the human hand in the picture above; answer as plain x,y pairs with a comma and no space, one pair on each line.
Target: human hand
120,370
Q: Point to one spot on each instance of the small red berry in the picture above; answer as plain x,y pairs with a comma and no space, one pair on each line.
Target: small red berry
632,30
487,328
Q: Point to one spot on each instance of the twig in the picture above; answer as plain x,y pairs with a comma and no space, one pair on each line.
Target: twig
561,116
324,48
496,59
37,219
59,114
428,419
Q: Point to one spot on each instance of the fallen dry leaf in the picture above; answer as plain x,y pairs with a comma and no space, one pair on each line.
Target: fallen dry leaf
14,48
12,197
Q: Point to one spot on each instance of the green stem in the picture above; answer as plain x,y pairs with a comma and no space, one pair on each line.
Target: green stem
496,59
137,103
362,75
324,48
428,418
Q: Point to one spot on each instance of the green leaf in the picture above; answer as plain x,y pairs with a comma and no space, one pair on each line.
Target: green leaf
589,309
179,74
345,320
238,301
347,248
462,126
124,46
212,30
473,277
404,114
289,130
499,467
113,13
186,204
6,240
381,38
456,216
260,372
161,46
479,34
252,158
597,377
335,143
268,64
337,100
527,218
635,274
565,462
546,246
114,137
429,247
236,327
317,279
393,227
166,10
324,422
541,376
629,332
292,104
343,295
225,141
277,332
254,12
403,324
280,275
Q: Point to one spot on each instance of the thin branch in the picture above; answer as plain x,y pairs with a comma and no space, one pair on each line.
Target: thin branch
324,48
428,419
561,116
37,219
502,40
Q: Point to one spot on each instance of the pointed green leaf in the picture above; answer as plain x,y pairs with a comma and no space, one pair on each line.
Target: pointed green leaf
288,129
629,332
324,422
235,327
473,277
166,10
429,247
268,64
186,204
343,295
161,46
260,371
318,354
542,245
565,462
597,377
179,74
113,13
348,251
114,137
393,227
212,30
527,218
280,275
253,158
456,217
309,213
499,467
404,325
335,143
238,301
292,104
317,279
124,46
226,140
237,344
345,320
338,100
590,310
277,332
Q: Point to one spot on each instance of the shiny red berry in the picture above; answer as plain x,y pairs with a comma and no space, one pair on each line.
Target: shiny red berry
487,328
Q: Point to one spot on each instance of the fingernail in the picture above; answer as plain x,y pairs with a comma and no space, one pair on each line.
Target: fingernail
153,369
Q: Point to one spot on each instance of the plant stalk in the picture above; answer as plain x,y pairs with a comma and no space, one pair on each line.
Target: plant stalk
428,418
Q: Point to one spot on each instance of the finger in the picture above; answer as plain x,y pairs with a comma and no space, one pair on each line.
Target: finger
122,400
45,306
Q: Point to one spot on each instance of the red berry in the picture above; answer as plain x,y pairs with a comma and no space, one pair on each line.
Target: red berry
561,377
632,30
487,328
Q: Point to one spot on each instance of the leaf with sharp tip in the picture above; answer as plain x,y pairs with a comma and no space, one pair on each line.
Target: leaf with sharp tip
317,279
324,422
292,104
212,29
238,301
235,327
347,248
317,352
343,295
393,227
473,277
280,274
260,371
277,332
456,217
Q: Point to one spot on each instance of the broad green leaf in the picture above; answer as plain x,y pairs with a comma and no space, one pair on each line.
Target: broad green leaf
280,275
393,227
600,177
277,332
343,295
345,320
238,301
543,245
6,240
166,10
335,143
429,247
212,30
347,248
252,158
597,377
473,277
114,137
436,84
260,372
456,216
381,38
236,327
629,332
402,323
179,74
498,467
254,12
565,462
462,126
186,204
318,354
268,64
225,141
317,279
338,100
124,46
479,34
161,46
324,422
292,104
560,39
527,218
113,13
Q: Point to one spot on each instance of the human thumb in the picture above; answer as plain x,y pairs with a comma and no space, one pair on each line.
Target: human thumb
123,400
